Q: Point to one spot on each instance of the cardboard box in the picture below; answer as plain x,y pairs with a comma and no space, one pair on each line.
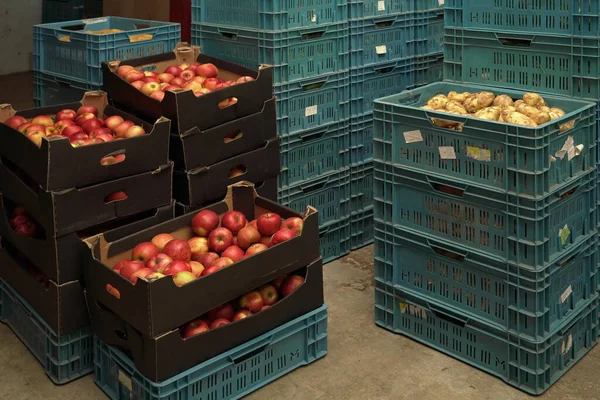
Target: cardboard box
64,211
149,306
198,148
58,165
206,185
185,110
166,355
60,258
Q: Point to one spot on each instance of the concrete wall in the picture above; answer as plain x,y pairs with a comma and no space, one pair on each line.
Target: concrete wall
16,38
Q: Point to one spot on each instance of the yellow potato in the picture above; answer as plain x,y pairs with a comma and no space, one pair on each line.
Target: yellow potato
453,105
533,99
445,123
519,119
557,111
479,101
489,113
438,102
503,100
459,97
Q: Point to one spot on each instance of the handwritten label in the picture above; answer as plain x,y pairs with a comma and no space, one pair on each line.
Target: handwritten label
381,49
566,294
381,5
564,234
413,137
447,153
479,154
312,110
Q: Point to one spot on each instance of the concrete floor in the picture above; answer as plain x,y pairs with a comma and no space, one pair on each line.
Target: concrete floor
364,361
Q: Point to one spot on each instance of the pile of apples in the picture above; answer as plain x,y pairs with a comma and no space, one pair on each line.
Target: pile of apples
81,127
214,247
199,78
22,224
249,304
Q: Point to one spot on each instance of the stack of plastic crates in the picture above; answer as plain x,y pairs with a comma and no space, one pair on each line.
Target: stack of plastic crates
307,43
394,46
68,10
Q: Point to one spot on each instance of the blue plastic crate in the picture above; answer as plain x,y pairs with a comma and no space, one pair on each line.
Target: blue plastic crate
520,231
359,9
50,90
310,154
549,17
563,66
330,195
528,303
361,139
269,15
334,239
231,375
67,49
361,187
312,103
361,228
65,358
382,39
517,159
374,81
429,32
67,10
531,367
295,55
429,69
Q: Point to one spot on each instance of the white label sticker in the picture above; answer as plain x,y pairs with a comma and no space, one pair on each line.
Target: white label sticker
441,2
447,153
312,110
566,294
575,151
381,49
479,154
413,137
93,21
567,147
125,381
381,5
313,16
567,344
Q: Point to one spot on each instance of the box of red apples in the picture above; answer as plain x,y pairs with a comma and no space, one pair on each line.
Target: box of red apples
29,266
206,185
80,144
196,92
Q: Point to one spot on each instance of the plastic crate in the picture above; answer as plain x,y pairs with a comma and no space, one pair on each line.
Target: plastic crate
375,81
310,154
377,40
312,103
231,375
295,55
361,228
66,49
550,17
528,303
49,90
67,10
550,64
330,195
522,232
361,139
429,69
334,239
359,9
361,187
269,15
428,5
429,32
65,358
516,159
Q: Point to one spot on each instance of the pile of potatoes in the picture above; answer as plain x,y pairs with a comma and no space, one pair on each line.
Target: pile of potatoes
532,110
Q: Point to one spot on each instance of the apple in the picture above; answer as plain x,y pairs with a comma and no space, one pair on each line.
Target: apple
205,222
194,328
23,127
124,70
277,282
234,252
149,79
193,86
294,223
27,229
36,137
35,128
150,73
173,70
178,250
256,248
183,66
211,83
269,294
236,172
51,131
18,220
224,311
116,196
177,81
161,239
19,210
220,239
112,290
266,240
207,70
159,262
87,110
176,267
15,121
150,88
62,124
138,85
83,117
118,266
244,79
268,223
201,92
78,136
141,273
234,240
158,95
222,262
210,270
154,276
241,315
144,252
198,245
130,267
134,131
282,236
199,79
122,128
43,120
223,85
253,223
290,284
71,130
234,221
113,121
247,236
134,75
91,124
165,77
101,131
197,268
105,138
183,278
207,258
252,301
188,75
171,87
219,323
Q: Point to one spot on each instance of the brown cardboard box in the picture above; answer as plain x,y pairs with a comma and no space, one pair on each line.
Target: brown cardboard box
156,10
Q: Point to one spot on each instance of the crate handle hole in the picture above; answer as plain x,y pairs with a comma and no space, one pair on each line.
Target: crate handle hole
448,254
313,35
121,335
568,193
113,291
567,260
312,86
383,24
249,355
115,197
228,35
447,189
236,171
233,137
111,159
447,124
228,102
142,26
79,27
446,317
384,70
510,42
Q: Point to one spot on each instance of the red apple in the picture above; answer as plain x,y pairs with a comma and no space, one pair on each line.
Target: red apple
165,77
170,87
201,92
199,79
253,223
269,294
266,240
252,301
197,268
84,117
112,290
19,210
71,130
241,315
100,131
256,248
224,311
150,88
159,262
35,128
183,278
247,236
282,236
194,328
173,70
138,85
118,266
130,267
210,270
91,124
234,240
161,239
87,110
144,252
134,75
141,273
158,95
220,239
27,229
178,250
36,137
18,220
234,221
51,131
176,267
211,83
198,245
218,323
188,75
244,79
183,66
43,120
113,121
207,258
134,131
222,262
122,128
294,223
66,114
179,82
290,284
234,252
78,136
104,137
154,276
277,282
15,121
116,196
124,70
62,124
205,222
151,79
268,223
207,70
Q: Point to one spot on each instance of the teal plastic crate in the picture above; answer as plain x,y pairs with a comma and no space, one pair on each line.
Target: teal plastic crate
67,49
65,358
276,15
549,17
519,231
566,66
361,228
49,90
294,54
381,39
529,303
312,103
429,32
361,139
67,10
359,9
329,194
307,155
429,69
231,375
374,81
522,160
531,367
334,239
361,187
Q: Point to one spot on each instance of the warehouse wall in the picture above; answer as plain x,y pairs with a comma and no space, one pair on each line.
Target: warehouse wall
16,20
